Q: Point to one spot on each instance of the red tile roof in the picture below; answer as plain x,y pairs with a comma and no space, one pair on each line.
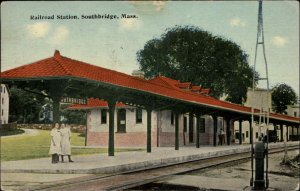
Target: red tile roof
204,91
186,85
95,103
196,88
60,66
166,82
177,85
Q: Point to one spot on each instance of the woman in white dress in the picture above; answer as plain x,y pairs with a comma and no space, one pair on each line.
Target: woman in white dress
65,142
55,147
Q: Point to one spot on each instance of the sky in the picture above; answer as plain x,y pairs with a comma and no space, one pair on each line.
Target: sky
113,43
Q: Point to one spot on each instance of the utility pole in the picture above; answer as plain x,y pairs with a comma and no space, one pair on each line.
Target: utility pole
264,112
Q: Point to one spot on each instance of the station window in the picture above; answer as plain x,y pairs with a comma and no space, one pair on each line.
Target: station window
295,114
103,116
4,89
138,115
256,135
172,118
237,135
2,112
247,134
2,100
121,118
184,124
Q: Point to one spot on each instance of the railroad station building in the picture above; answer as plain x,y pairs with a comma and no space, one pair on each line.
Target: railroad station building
131,129
4,109
161,99
262,99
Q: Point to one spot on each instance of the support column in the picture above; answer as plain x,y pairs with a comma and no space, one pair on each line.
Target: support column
215,119
295,133
149,112
228,131
198,131
240,131
111,141
86,129
281,132
191,127
176,131
158,129
56,116
252,149
56,91
251,131
275,129
287,133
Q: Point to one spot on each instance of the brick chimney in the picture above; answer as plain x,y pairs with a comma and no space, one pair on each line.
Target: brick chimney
57,54
138,73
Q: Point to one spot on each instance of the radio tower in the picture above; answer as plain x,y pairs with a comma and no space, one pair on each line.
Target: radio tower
263,112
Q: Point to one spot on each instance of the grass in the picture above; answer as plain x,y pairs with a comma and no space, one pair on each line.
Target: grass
30,147
10,131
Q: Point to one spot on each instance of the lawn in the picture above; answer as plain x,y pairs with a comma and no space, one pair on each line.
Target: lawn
10,131
30,147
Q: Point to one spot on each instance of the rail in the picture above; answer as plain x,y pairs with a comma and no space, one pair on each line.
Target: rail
134,178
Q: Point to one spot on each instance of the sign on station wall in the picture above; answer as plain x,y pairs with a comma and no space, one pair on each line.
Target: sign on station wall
74,100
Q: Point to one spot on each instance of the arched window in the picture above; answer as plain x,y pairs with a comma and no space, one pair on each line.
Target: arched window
121,118
138,115
103,116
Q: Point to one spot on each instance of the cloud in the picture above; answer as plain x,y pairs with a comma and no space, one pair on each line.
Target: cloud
279,41
38,30
60,34
130,24
159,5
148,7
236,22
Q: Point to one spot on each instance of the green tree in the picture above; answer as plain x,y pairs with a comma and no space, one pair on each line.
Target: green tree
190,54
24,107
72,116
282,96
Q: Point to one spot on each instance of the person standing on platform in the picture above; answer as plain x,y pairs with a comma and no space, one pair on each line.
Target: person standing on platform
223,136
55,147
65,142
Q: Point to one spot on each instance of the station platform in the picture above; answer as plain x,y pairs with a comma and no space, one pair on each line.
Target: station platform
126,161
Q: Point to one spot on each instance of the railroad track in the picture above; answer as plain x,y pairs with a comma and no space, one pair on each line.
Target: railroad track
136,178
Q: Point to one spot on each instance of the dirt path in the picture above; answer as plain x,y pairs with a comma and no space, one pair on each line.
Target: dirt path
28,132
